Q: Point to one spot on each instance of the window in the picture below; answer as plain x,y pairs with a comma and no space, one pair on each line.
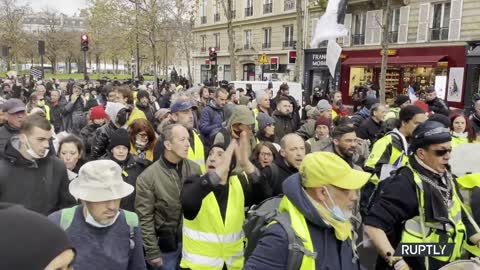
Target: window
440,21
233,4
288,41
358,28
395,23
203,42
216,38
227,73
248,39
216,14
288,5
203,12
249,8
267,38
267,7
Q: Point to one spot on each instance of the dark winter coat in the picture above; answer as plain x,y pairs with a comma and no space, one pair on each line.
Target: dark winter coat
210,121
56,116
284,124
271,252
475,123
271,179
88,135
149,112
360,116
369,130
74,116
6,132
438,105
102,139
40,185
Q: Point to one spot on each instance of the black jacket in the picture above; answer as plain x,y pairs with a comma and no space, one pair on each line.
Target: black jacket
396,201
271,179
56,117
284,124
40,185
6,132
369,130
271,252
149,112
475,123
88,135
74,116
132,168
102,139
438,105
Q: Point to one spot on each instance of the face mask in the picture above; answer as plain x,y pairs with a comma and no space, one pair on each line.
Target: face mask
90,220
336,212
32,153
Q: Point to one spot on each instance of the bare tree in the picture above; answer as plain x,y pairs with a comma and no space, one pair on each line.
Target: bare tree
227,10
55,39
385,40
299,61
11,31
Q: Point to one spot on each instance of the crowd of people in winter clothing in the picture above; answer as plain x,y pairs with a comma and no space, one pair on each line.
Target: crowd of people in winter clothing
141,176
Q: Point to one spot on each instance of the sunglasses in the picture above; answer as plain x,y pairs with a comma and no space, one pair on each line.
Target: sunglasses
442,152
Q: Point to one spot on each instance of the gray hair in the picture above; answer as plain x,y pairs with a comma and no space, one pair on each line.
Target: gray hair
260,94
375,107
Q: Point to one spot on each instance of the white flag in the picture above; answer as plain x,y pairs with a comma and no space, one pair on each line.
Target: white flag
333,53
327,27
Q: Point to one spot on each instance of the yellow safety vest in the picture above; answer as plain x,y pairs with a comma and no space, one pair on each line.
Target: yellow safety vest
379,149
47,112
456,141
467,182
208,242
255,113
197,156
417,230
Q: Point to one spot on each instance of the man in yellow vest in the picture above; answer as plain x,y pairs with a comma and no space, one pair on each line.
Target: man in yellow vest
213,213
319,200
182,113
420,204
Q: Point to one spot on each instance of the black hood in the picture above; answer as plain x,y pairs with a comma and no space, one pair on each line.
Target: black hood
283,164
295,193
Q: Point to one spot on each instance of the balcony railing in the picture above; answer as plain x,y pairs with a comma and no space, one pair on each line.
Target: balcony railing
288,44
439,33
358,39
267,8
266,45
216,17
203,19
289,5
248,11
393,36
247,46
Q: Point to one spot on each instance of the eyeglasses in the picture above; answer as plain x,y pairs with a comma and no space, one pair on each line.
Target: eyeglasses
266,154
442,152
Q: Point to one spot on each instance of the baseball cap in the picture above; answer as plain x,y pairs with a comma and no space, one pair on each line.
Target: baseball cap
13,105
181,105
324,168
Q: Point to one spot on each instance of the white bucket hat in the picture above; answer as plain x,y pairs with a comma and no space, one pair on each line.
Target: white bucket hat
99,181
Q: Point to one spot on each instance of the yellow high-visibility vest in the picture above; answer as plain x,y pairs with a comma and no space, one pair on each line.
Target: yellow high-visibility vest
197,155
208,242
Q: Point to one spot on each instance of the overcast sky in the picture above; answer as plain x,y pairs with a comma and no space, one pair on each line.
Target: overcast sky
68,7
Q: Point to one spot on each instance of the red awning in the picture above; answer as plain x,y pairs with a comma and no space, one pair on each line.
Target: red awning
395,60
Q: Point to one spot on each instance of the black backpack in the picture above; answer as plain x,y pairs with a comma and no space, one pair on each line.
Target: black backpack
259,217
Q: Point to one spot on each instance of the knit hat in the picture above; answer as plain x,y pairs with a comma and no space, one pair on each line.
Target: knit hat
264,120
401,99
24,232
98,112
119,137
142,93
323,121
428,133
323,105
422,105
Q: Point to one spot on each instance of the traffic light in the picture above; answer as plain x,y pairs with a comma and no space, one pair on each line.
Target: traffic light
84,42
212,53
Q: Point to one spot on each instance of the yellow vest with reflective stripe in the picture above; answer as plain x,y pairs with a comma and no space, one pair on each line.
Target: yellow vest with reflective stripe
299,225
417,230
380,147
210,243
255,113
456,141
197,156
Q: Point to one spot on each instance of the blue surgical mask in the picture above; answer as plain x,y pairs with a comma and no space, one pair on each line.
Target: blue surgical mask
336,212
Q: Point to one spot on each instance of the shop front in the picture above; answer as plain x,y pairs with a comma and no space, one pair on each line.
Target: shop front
317,79
416,68
472,91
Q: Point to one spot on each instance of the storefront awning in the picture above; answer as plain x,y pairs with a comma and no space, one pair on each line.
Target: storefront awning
395,60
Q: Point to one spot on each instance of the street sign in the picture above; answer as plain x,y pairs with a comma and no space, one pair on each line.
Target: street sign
263,59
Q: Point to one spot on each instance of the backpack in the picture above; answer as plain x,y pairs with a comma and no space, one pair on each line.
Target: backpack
259,217
67,214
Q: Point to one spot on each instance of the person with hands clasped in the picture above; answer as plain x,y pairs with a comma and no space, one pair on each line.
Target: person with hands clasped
213,209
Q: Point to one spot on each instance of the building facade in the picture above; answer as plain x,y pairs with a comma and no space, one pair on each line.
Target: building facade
260,27
429,41
42,21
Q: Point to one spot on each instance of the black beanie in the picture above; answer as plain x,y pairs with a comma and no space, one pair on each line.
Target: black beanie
29,240
428,133
440,118
401,99
119,137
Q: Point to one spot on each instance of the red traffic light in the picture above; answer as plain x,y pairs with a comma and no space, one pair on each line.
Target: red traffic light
213,49
84,37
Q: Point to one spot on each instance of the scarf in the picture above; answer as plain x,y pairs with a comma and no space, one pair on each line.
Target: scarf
343,229
459,135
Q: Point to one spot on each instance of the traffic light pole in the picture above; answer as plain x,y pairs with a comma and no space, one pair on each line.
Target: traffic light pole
41,65
84,65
